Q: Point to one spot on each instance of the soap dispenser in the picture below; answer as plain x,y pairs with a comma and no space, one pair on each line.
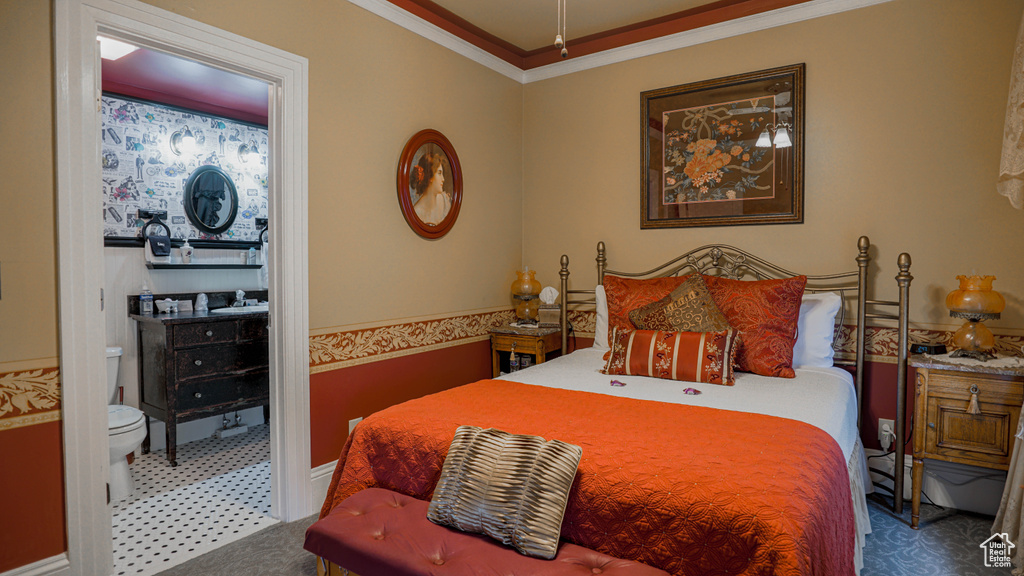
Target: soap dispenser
186,252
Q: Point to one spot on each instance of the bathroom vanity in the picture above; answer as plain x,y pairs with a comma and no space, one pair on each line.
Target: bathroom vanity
194,365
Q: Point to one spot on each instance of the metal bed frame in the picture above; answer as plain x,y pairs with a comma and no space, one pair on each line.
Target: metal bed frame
730,262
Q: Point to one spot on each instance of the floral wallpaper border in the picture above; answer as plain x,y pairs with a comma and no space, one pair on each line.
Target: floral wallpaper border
32,396
29,397
355,347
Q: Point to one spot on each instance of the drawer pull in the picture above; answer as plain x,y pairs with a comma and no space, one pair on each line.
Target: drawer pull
199,362
209,332
931,425
972,408
199,394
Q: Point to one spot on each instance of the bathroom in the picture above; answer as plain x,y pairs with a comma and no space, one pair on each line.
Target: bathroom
160,124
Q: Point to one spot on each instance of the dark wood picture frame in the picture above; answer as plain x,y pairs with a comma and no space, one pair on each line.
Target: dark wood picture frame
714,153
417,166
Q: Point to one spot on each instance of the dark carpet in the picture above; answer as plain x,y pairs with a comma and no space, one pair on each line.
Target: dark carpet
948,544
273,551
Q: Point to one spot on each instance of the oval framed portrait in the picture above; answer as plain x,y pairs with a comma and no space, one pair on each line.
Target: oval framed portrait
430,184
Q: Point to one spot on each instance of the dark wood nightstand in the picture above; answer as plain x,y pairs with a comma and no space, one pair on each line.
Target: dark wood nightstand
535,341
949,426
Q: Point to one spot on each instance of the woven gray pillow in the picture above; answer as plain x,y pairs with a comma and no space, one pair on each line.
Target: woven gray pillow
510,487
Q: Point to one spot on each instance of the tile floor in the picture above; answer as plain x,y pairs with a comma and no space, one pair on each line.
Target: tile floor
218,493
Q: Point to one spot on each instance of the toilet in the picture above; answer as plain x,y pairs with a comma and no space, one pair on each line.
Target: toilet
127,430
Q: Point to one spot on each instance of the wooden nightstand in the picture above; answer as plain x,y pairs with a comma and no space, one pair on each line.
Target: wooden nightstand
945,427
535,341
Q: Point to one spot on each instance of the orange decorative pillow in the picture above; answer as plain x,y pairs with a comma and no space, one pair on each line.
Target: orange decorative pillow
627,294
689,308
765,313
691,356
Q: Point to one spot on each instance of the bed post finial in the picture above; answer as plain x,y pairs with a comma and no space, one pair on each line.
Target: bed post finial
903,261
563,295
903,279
601,262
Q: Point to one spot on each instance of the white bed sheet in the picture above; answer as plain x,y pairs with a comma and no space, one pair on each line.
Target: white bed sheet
822,397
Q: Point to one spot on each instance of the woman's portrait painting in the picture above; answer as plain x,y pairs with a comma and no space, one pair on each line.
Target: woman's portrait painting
429,184
430,199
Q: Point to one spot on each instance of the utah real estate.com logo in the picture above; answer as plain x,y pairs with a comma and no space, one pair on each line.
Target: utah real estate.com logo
997,550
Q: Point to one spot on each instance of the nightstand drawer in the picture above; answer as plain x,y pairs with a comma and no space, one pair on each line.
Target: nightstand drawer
991,389
984,439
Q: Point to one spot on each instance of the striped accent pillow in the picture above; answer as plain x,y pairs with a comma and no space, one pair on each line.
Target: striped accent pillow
511,487
691,356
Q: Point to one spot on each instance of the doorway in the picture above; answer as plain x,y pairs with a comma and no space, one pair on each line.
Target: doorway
80,252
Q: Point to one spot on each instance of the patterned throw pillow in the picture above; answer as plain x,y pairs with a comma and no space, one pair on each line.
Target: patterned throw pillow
511,487
765,313
691,356
689,308
627,294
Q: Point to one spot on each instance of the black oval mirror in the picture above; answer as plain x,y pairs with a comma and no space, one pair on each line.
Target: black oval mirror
211,201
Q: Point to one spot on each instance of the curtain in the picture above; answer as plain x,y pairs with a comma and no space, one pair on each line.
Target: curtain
1011,165
1009,519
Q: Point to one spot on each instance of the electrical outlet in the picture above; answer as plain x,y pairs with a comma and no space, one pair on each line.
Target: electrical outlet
352,423
882,423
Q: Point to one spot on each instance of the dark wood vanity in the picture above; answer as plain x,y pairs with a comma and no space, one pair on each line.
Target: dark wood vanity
194,365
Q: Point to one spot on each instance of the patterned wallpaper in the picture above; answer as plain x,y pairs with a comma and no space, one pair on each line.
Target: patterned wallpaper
140,170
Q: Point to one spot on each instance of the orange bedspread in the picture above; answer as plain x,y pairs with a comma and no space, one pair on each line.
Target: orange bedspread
691,490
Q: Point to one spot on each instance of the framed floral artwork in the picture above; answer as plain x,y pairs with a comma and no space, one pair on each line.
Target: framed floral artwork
430,184
724,152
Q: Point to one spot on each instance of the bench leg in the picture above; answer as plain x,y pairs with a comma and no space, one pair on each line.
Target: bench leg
327,568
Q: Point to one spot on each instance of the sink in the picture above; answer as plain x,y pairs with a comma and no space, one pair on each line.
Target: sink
242,309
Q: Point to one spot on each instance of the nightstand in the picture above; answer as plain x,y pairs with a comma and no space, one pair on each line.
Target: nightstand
535,341
964,413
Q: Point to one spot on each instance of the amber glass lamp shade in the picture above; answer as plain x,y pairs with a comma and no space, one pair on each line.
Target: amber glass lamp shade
524,292
975,301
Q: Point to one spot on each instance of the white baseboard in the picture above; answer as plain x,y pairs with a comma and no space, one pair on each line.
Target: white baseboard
321,476
947,484
52,566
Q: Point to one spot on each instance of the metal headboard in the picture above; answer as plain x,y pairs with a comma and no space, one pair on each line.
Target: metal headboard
730,262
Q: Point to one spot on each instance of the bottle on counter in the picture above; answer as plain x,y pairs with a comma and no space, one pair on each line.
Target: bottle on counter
145,300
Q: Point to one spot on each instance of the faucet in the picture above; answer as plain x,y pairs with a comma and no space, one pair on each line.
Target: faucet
239,299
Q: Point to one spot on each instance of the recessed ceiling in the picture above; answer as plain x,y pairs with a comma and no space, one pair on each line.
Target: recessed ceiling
522,32
531,24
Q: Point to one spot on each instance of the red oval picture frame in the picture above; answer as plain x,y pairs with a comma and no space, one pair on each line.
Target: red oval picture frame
430,205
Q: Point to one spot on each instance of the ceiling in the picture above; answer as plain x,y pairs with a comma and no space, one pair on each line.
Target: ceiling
531,24
520,32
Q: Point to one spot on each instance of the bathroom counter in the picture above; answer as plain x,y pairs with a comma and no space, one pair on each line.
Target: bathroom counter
190,317
194,365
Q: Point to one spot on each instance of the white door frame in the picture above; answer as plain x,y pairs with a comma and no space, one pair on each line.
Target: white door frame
80,253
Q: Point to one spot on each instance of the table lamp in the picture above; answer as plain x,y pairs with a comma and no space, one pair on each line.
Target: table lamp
524,291
975,301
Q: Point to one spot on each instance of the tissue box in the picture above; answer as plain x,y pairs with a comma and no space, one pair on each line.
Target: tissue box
549,315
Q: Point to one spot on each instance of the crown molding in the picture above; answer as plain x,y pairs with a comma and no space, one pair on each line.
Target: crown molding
417,25
737,27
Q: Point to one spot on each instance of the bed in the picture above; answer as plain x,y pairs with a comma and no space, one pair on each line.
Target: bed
766,476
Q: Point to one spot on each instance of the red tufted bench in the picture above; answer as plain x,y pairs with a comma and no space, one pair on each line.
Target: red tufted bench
378,532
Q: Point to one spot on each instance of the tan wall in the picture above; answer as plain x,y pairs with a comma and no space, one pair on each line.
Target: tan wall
28,254
904,105
372,85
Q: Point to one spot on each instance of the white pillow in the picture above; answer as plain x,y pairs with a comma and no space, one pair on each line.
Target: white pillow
815,330
601,328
